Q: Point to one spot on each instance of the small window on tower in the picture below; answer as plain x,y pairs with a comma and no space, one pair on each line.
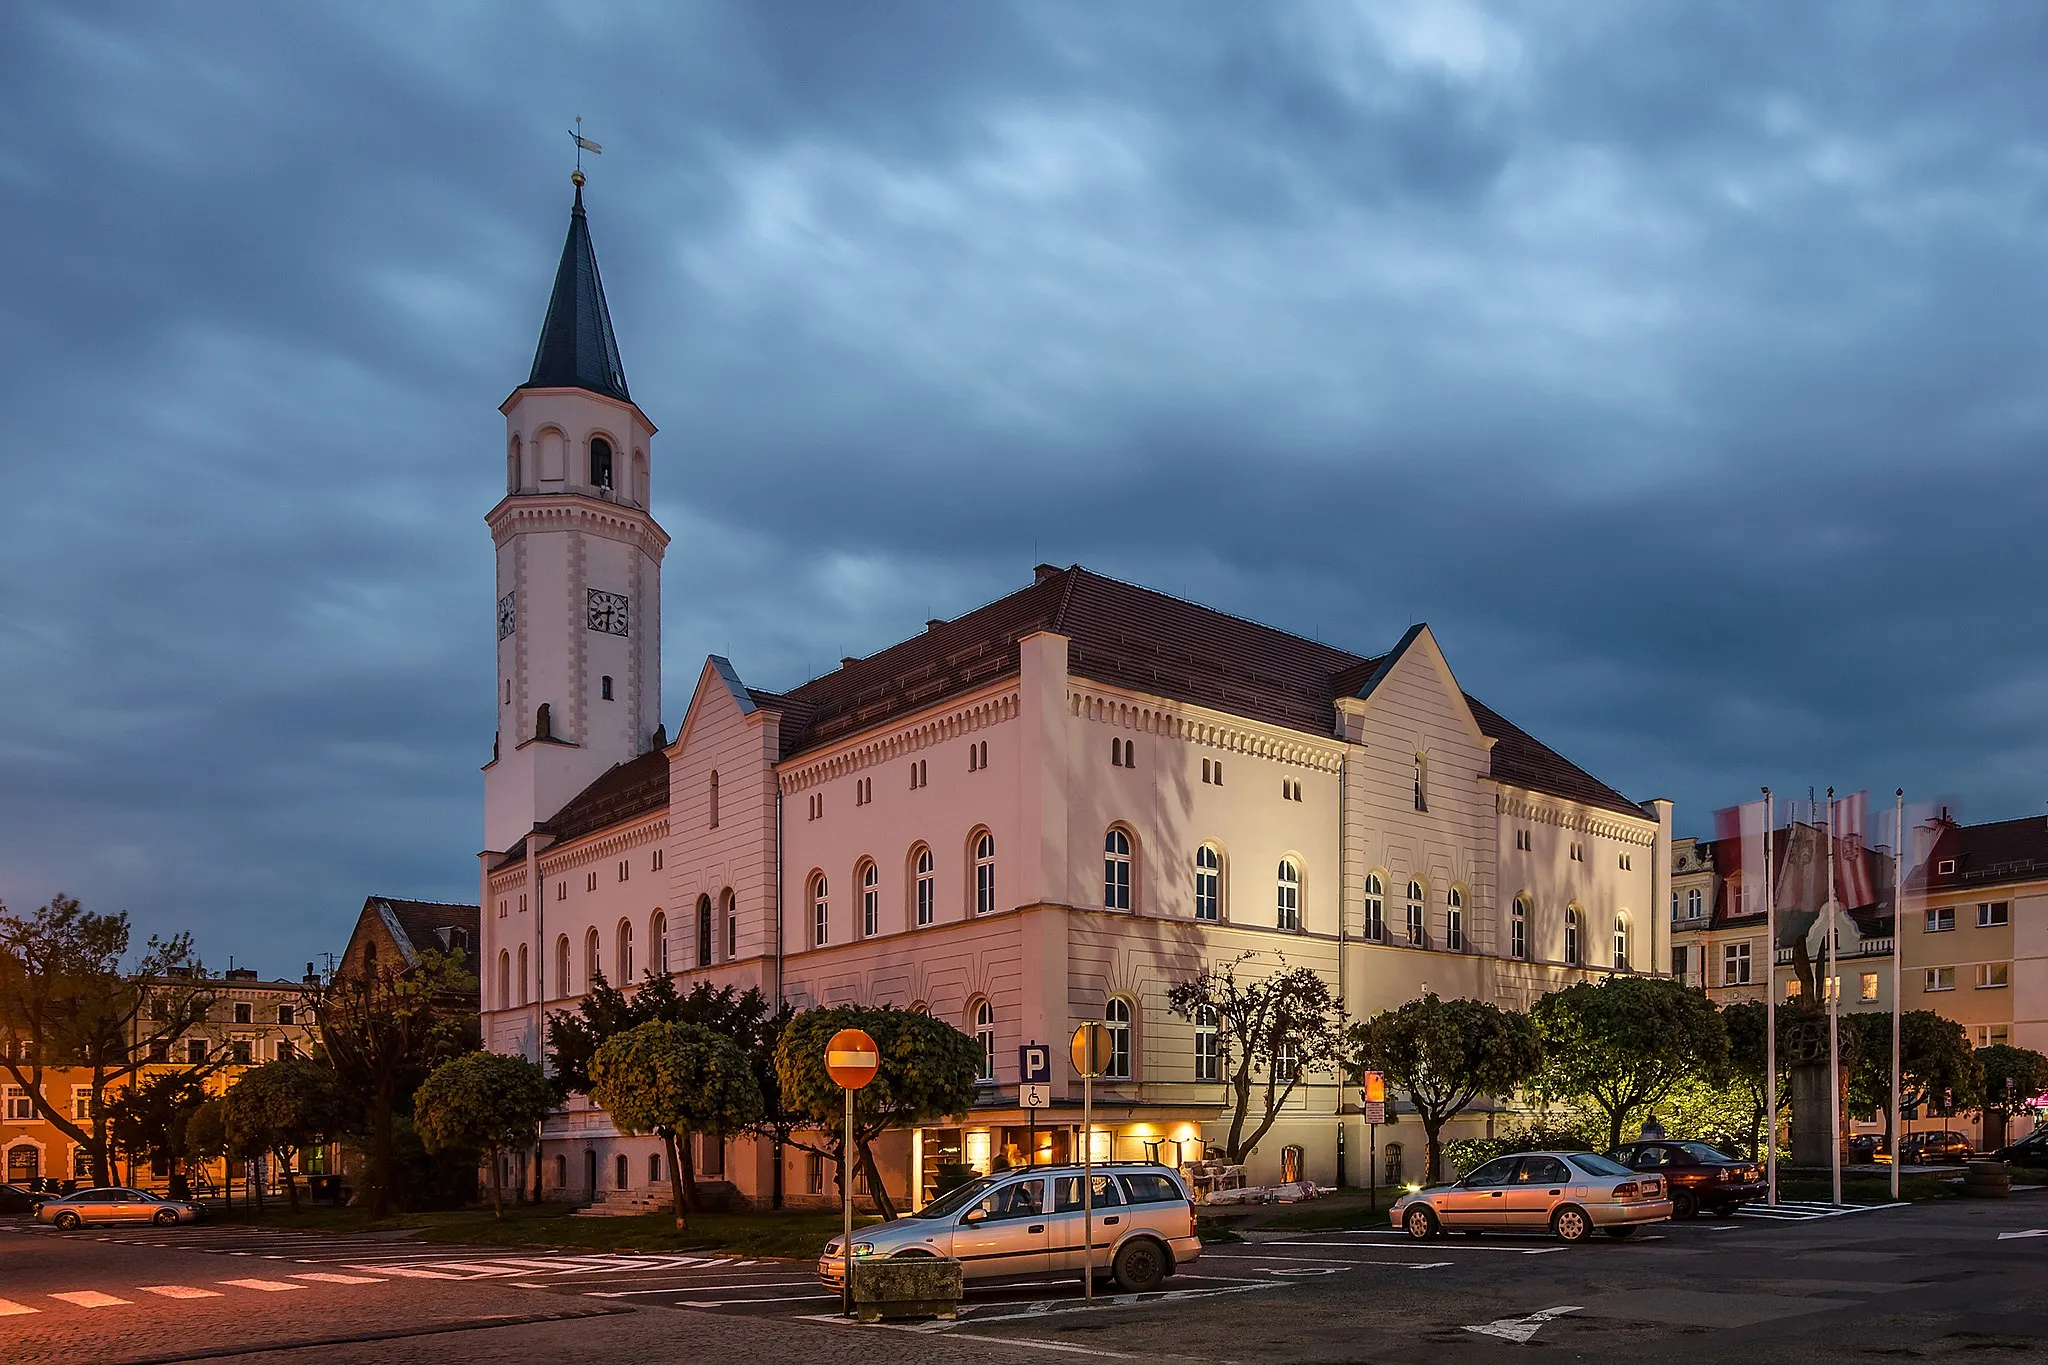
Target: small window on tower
600,462
606,685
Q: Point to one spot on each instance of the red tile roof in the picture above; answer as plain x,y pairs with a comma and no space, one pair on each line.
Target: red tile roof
622,792
1987,855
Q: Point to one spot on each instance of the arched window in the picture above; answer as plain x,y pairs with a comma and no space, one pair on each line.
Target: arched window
732,927
870,899
1571,935
1116,870
600,462
713,798
504,979
985,1037
1518,929
1287,895
1454,920
512,466
1117,1015
1621,942
657,942
1208,1045
924,886
1375,909
985,873
1416,926
641,491
524,997
562,965
592,968
1693,900
821,919
624,957
1208,883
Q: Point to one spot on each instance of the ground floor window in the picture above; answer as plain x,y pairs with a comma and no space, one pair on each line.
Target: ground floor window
713,1158
1393,1164
562,1172
654,1168
814,1173
619,1171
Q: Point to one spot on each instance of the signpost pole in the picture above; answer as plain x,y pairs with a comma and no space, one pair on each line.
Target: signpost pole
1088,1181
1372,1166
846,1216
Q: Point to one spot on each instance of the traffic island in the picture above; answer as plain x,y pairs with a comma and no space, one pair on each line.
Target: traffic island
897,1290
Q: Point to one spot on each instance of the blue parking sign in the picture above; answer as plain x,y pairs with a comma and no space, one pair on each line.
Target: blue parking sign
1034,1063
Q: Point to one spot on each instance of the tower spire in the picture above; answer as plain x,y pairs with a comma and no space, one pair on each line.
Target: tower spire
577,349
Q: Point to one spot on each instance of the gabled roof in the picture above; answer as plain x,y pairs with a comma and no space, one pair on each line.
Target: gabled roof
1987,855
622,792
417,925
1133,637
577,349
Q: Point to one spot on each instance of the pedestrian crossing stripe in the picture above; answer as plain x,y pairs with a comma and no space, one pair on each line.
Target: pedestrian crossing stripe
267,1286
180,1291
89,1298
9,1308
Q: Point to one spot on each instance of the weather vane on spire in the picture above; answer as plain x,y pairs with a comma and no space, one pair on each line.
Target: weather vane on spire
583,144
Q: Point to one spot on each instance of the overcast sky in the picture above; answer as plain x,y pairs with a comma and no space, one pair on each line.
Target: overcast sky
1683,365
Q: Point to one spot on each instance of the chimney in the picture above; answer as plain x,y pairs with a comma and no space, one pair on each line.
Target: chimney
846,660
1041,572
935,623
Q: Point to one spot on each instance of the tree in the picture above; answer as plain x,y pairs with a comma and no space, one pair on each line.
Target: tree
1934,1057
1745,1025
484,1101
927,1073
2008,1077
66,1001
1271,1033
1445,1054
743,1016
1621,1044
672,1080
149,1119
279,1108
384,1031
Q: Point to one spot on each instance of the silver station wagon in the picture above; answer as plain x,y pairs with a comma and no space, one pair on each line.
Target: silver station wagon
1027,1224
1566,1193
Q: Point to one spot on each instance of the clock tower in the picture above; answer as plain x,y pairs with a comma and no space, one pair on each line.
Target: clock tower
579,563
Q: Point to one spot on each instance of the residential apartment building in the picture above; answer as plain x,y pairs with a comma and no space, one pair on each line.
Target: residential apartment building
1048,810
1976,934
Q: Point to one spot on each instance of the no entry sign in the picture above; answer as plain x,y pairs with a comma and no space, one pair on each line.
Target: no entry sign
851,1058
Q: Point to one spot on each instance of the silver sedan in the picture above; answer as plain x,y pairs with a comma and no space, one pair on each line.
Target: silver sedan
116,1205
1568,1194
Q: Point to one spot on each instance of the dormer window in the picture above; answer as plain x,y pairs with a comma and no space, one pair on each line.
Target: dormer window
600,462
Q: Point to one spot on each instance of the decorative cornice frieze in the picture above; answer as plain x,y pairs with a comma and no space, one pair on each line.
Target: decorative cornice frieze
605,843
1196,725
527,512
1549,810
964,718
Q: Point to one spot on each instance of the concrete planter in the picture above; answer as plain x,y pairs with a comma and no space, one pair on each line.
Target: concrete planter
1987,1180
889,1290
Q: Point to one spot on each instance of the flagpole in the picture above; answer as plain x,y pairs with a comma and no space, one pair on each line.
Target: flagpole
1898,994
1832,990
1770,1004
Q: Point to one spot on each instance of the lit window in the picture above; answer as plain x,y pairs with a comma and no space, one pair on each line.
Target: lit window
1116,870
1375,909
1208,1045
926,888
820,918
1454,921
1867,986
985,874
1416,923
1208,883
1518,929
1287,895
1735,964
985,1036
1117,1015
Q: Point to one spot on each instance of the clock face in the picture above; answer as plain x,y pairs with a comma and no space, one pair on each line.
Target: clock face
508,615
607,612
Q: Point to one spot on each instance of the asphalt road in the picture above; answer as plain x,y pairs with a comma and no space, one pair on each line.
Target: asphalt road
1935,1282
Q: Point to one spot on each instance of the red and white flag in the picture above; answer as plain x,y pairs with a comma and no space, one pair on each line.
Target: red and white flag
1855,886
1739,855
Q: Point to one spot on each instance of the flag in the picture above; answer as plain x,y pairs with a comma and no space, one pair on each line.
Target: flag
585,144
1802,873
1855,884
1739,855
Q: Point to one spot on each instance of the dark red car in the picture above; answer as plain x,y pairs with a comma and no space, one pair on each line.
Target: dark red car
1698,1176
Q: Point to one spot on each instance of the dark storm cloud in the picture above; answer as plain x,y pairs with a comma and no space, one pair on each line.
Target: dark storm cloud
1679,365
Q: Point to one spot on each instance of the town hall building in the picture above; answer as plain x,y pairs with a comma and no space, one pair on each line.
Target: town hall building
1046,810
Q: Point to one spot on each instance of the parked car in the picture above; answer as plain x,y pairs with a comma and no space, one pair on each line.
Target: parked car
115,1205
1934,1147
1696,1176
1027,1224
1567,1193
2031,1150
16,1199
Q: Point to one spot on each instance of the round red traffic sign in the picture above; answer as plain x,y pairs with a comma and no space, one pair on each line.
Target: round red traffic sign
851,1058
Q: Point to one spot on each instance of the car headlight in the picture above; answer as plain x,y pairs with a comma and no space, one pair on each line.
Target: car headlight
863,1248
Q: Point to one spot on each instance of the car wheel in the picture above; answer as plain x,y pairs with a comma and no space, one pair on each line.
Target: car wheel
1571,1225
1420,1222
68,1221
166,1217
1140,1266
1621,1234
1684,1204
